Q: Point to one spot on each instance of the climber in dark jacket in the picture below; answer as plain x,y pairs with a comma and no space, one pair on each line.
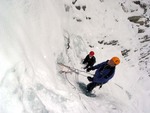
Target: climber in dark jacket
89,60
105,71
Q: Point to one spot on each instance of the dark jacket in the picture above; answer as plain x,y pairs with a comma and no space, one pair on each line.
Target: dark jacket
90,61
103,73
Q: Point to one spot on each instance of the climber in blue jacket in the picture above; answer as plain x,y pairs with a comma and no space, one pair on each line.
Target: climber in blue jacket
105,71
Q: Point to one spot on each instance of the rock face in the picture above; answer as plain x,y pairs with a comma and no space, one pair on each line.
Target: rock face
134,18
142,22
137,19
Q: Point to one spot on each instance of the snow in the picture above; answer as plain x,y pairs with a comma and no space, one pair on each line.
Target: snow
37,35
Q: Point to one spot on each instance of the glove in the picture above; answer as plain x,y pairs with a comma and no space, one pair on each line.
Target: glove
88,69
90,78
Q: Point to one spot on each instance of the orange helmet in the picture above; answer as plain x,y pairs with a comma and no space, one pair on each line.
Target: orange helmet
116,60
91,53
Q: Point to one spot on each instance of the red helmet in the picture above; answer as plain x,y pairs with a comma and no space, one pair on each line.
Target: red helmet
91,53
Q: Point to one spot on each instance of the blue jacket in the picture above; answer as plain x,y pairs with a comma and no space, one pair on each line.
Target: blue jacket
103,73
